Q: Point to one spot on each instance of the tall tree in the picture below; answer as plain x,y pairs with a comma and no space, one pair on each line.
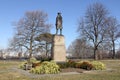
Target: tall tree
113,32
28,28
93,25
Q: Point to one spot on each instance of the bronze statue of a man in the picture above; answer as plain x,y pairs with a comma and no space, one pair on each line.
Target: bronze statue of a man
59,23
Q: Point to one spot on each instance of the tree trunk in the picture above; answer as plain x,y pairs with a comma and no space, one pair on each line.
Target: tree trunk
95,53
30,50
30,55
46,49
113,49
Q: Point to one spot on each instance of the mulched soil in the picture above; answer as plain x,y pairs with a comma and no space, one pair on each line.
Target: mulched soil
72,70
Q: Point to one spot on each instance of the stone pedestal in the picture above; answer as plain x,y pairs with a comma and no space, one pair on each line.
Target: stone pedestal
58,49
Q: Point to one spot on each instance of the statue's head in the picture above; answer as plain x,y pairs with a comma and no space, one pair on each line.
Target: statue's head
59,13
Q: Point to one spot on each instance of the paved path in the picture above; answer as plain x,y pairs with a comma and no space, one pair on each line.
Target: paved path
26,73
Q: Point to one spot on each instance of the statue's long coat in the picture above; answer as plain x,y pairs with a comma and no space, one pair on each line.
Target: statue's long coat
59,22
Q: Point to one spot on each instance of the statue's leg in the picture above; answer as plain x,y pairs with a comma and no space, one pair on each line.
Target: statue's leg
56,31
60,31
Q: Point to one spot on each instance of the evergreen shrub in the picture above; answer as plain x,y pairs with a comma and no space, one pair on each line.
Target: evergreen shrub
97,65
46,68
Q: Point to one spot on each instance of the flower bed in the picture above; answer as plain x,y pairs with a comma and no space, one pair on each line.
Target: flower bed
51,67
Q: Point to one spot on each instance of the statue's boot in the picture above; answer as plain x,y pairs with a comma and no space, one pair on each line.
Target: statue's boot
60,31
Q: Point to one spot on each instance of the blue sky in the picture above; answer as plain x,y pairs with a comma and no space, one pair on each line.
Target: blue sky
72,10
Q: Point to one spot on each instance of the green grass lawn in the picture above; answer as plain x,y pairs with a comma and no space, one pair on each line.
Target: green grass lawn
7,72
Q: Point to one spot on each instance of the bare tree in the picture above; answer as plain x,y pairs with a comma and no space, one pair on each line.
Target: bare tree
104,50
113,32
1,53
28,28
118,54
93,25
79,48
